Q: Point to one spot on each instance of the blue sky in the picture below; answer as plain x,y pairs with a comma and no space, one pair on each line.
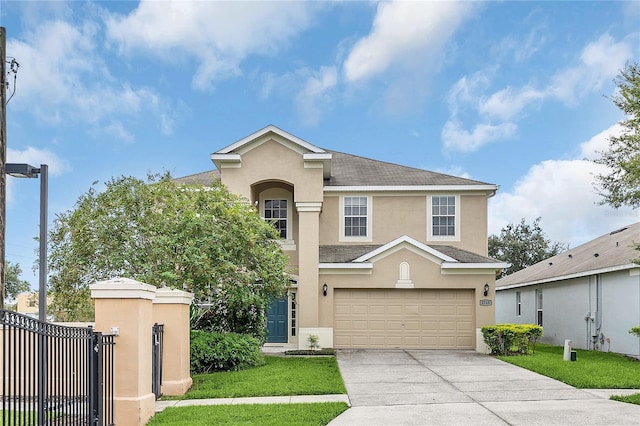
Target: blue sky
511,93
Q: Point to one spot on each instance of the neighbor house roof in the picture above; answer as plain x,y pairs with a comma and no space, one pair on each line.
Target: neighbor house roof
610,252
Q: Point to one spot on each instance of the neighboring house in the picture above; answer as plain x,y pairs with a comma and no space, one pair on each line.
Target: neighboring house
589,294
27,303
382,255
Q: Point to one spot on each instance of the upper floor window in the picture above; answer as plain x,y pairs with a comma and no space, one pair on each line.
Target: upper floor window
275,211
444,217
356,218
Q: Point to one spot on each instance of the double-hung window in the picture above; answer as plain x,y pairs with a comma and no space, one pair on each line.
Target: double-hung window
275,211
444,217
356,218
518,304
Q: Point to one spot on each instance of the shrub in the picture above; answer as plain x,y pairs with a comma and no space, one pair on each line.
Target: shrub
511,339
223,351
635,330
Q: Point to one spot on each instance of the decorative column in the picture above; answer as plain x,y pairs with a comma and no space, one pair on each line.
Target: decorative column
309,289
124,306
171,308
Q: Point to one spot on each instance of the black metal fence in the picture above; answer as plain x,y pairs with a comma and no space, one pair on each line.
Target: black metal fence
157,348
55,375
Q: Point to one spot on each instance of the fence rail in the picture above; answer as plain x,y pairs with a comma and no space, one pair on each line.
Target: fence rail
53,374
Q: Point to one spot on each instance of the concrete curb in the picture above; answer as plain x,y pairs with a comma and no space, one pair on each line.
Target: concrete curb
294,399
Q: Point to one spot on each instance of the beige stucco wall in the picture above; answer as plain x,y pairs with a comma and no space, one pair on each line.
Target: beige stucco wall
406,214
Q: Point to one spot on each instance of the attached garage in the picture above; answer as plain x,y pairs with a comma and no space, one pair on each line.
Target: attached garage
399,318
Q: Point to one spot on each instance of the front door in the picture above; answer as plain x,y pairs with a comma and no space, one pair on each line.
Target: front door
277,321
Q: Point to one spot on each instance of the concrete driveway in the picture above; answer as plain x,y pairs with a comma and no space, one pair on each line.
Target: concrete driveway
439,387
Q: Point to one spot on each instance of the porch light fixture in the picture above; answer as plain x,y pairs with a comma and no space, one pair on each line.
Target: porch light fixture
22,170
324,289
486,289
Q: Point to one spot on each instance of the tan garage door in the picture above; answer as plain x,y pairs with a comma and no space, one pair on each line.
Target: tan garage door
394,318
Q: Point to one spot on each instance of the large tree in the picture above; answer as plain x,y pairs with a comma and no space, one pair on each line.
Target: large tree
522,245
201,239
621,185
13,284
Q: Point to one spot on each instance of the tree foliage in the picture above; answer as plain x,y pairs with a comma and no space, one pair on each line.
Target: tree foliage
201,239
13,285
522,245
621,186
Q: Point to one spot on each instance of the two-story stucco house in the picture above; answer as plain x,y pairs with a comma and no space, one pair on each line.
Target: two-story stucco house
381,255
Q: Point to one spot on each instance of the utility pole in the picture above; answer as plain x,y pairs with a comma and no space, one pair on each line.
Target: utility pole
3,158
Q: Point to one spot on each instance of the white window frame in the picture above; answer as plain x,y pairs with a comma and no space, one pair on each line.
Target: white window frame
518,304
280,194
456,235
349,238
539,307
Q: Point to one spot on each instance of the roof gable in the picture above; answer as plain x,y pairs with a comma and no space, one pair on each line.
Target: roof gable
402,243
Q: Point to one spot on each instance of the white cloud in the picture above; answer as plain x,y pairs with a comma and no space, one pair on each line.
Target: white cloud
63,80
403,31
219,35
590,149
599,62
456,138
562,193
315,95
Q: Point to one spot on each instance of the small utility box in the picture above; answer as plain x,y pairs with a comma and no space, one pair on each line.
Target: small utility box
574,355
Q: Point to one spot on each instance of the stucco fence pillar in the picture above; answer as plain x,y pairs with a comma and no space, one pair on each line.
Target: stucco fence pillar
131,308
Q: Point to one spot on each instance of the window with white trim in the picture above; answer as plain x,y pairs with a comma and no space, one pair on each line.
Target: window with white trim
518,304
355,216
443,216
275,211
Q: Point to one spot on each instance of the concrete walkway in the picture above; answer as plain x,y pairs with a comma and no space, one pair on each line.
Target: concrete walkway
423,387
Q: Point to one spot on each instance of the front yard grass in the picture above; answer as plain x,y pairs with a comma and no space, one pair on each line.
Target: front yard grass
265,415
280,376
591,370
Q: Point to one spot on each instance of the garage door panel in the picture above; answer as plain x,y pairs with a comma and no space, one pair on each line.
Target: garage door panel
399,318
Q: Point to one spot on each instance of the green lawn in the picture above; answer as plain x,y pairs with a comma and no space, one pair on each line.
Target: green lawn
279,376
595,370
264,415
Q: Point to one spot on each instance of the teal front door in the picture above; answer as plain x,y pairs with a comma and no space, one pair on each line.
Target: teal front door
277,321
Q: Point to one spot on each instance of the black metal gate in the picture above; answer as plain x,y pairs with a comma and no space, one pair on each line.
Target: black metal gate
54,374
157,348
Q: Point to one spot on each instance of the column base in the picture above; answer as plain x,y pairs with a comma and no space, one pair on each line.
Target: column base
134,411
176,387
325,336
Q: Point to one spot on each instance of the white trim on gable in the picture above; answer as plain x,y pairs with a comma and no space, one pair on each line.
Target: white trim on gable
408,240
270,129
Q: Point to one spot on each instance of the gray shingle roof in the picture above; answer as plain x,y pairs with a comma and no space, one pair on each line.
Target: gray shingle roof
347,253
611,250
204,178
352,170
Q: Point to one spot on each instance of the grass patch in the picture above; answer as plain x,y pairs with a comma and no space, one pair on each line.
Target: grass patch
266,415
280,376
631,399
595,370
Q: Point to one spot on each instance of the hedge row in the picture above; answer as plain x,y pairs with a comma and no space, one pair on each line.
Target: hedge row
511,339
223,351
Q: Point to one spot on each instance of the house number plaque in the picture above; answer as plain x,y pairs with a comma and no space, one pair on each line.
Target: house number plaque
485,302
